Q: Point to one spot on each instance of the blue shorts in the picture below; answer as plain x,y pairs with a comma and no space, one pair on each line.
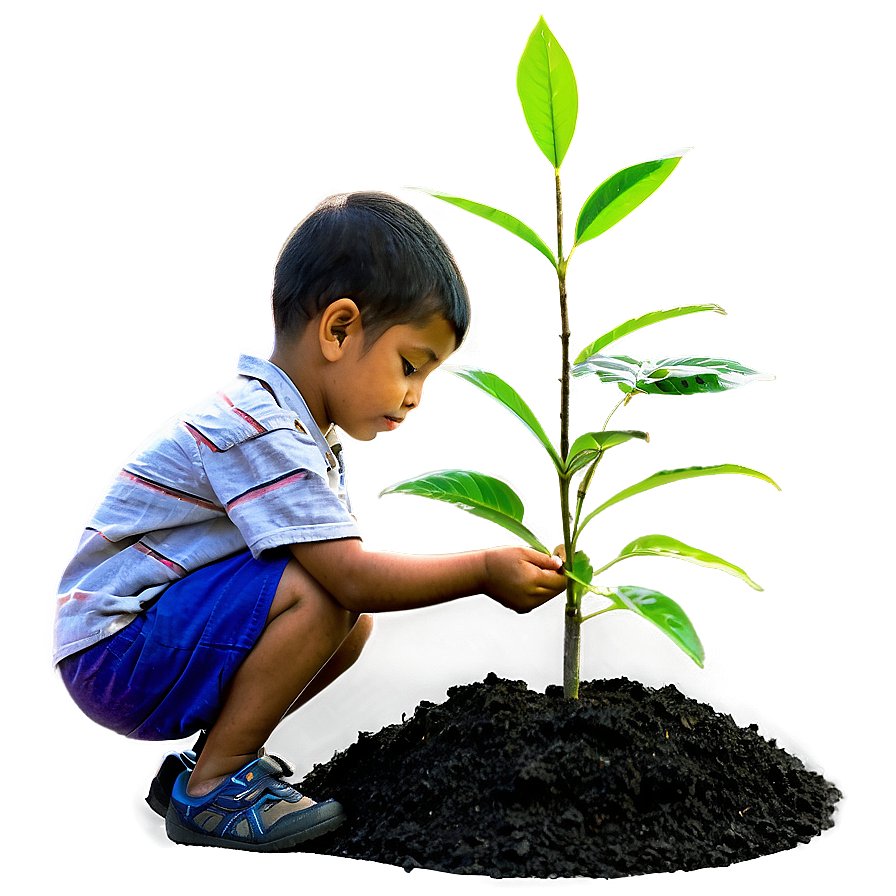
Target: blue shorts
165,675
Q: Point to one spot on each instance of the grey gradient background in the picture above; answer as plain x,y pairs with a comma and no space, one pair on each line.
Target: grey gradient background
157,157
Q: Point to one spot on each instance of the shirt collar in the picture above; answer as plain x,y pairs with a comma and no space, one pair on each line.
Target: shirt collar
288,396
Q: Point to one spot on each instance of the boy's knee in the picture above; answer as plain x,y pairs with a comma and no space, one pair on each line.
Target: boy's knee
361,629
298,589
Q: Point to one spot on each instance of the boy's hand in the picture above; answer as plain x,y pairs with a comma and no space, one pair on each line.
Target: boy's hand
522,579
371,582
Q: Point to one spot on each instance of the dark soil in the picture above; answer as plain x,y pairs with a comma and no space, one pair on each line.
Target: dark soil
499,780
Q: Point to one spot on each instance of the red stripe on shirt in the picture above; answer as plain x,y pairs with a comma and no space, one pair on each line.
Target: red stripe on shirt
250,420
101,534
171,492
75,595
266,488
144,549
199,437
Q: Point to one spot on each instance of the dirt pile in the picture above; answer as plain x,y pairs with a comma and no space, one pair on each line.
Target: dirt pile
499,780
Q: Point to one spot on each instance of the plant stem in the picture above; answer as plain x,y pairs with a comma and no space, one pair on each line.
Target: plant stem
624,400
586,480
580,498
599,612
573,616
564,324
571,633
564,342
588,477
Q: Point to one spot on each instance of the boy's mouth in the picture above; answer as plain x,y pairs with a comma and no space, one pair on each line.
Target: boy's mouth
392,422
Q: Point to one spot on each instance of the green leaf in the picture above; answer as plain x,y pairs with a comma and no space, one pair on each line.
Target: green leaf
586,446
620,194
665,614
547,88
582,573
664,546
619,369
481,495
636,323
670,376
691,376
664,477
496,216
493,385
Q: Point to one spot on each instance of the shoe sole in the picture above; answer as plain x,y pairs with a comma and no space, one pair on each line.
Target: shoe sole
158,798
179,834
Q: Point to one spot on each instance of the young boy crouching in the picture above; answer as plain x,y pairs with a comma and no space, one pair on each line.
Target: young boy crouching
222,581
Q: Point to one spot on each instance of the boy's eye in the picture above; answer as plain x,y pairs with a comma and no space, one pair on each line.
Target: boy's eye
409,368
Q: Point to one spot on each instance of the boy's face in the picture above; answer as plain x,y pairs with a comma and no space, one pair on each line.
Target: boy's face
373,392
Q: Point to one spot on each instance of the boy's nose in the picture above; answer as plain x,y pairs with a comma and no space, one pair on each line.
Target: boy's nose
412,398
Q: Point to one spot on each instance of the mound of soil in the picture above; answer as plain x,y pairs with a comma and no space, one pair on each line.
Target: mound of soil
499,780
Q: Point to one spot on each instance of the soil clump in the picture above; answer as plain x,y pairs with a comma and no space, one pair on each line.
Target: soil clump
502,781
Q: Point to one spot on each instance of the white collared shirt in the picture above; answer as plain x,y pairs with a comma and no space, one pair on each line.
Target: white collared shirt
247,467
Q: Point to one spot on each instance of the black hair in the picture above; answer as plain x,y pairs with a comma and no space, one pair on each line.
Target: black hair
379,252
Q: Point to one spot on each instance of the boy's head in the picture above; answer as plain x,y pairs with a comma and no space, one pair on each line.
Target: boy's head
375,250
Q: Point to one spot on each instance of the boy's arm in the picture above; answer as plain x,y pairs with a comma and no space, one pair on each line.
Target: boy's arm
371,582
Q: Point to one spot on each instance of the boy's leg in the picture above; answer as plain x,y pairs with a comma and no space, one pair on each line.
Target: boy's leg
344,658
303,638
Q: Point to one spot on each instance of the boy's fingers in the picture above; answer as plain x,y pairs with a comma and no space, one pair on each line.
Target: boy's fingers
551,577
545,561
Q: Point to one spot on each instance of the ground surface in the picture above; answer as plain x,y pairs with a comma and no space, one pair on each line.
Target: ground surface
499,780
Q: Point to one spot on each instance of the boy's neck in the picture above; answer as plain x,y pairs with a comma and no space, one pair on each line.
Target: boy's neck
299,362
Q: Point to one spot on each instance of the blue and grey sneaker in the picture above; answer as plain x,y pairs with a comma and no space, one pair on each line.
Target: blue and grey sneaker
254,809
172,765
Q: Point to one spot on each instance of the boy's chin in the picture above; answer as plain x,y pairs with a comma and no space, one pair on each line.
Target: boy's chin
368,431
360,435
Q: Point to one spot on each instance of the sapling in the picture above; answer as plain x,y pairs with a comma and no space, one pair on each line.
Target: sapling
547,90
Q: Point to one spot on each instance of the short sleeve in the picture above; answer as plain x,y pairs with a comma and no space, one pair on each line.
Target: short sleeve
273,485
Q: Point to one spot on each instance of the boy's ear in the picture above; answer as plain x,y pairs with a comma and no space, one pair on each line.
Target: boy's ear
339,321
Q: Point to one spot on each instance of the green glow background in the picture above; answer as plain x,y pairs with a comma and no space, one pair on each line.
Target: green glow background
157,157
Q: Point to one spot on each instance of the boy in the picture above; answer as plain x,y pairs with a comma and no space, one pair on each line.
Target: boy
222,581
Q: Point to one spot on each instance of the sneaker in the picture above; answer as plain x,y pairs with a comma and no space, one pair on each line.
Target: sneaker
254,809
172,765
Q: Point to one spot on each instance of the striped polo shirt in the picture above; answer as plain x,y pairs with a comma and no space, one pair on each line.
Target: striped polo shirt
247,467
